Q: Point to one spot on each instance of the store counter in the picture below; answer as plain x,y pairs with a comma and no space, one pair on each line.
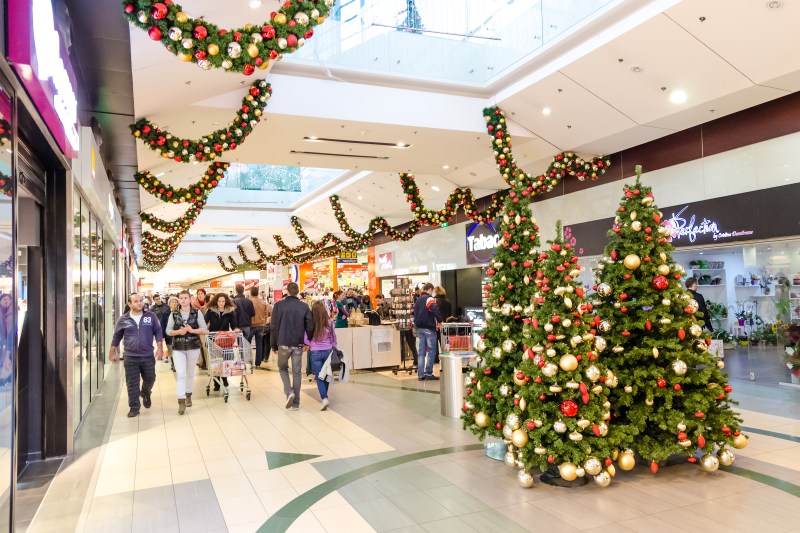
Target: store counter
369,346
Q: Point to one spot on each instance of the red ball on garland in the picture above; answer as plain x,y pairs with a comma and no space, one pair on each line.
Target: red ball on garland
660,283
154,33
159,11
569,408
200,32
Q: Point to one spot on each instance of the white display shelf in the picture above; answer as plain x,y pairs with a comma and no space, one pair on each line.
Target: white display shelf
711,285
747,286
707,269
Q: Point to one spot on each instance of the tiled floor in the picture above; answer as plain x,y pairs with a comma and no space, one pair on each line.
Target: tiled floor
387,461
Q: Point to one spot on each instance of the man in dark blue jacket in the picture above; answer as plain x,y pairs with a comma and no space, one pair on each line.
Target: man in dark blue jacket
138,328
426,317
291,319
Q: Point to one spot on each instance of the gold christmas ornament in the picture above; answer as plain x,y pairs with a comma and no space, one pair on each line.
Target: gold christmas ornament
636,225
626,460
497,353
512,421
507,432
481,420
519,382
559,426
549,370
603,479
726,457
632,261
567,471
510,459
519,438
505,390
568,362
593,373
593,466
509,345
709,463
739,442
524,479
679,367
663,269
695,330
666,302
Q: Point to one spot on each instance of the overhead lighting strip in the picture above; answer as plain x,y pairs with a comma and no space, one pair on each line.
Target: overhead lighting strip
340,155
313,139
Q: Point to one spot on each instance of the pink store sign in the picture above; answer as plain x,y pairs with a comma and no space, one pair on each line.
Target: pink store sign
41,59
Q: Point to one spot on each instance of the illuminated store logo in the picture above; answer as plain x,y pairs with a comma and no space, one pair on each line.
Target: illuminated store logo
482,240
681,227
50,65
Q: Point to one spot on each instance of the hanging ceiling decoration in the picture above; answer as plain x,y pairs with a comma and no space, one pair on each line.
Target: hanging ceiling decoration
210,146
243,49
563,164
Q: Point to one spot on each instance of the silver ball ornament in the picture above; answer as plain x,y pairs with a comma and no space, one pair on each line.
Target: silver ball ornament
679,367
603,479
709,463
593,466
604,289
510,459
524,479
234,50
726,457
512,421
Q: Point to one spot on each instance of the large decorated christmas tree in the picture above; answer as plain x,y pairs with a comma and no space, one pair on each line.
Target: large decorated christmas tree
562,415
672,397
490,389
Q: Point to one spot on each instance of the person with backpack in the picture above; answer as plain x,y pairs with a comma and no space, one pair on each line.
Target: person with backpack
426,319
185,325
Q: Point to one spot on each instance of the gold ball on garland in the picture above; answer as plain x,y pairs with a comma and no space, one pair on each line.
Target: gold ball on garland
632,261
252,50
185,56
180,16
212,49
663,270
188,44
481,420
519,438
739,442
279,18
568,471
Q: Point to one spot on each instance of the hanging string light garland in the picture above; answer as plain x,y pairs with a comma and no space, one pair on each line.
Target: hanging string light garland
210,146
458,198
239,50
564,164
192,193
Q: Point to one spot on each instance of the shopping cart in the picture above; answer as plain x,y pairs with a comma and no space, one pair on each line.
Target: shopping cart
456,337
229,354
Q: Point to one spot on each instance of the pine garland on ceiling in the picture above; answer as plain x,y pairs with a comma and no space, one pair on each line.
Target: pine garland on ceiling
210,146
243,49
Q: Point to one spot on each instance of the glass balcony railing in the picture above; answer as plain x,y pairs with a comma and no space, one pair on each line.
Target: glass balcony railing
467,41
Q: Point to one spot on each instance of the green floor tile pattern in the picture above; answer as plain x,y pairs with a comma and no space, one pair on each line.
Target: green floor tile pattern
279,459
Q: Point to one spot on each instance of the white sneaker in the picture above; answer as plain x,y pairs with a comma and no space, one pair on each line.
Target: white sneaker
325,404
289,400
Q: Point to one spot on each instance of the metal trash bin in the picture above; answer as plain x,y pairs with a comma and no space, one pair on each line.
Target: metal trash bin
452,381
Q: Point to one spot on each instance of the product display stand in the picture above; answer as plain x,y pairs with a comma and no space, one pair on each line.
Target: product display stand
403,309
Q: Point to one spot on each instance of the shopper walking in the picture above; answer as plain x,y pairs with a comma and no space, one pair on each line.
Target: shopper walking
139,329
342,313
291,321
172,305
259,323
199,301
426,318
244,311
320,345
221,317
184,326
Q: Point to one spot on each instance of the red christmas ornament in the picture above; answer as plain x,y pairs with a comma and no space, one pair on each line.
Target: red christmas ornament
154,33
291,40
200,32
654,467
660,283
158,11
569,408
661,382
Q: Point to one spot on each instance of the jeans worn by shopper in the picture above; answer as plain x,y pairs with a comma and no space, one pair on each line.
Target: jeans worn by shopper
427,347
185,363
318,358
137,368
257,337
293,386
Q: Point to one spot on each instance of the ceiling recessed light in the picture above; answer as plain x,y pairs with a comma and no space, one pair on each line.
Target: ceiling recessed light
445,167
160,174
774,4
546,111
401,145
360,198
701,253
255,4
435,188
678,96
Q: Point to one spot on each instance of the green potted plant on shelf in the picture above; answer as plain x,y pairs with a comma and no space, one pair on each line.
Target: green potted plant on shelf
716,314
728,340
792,355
